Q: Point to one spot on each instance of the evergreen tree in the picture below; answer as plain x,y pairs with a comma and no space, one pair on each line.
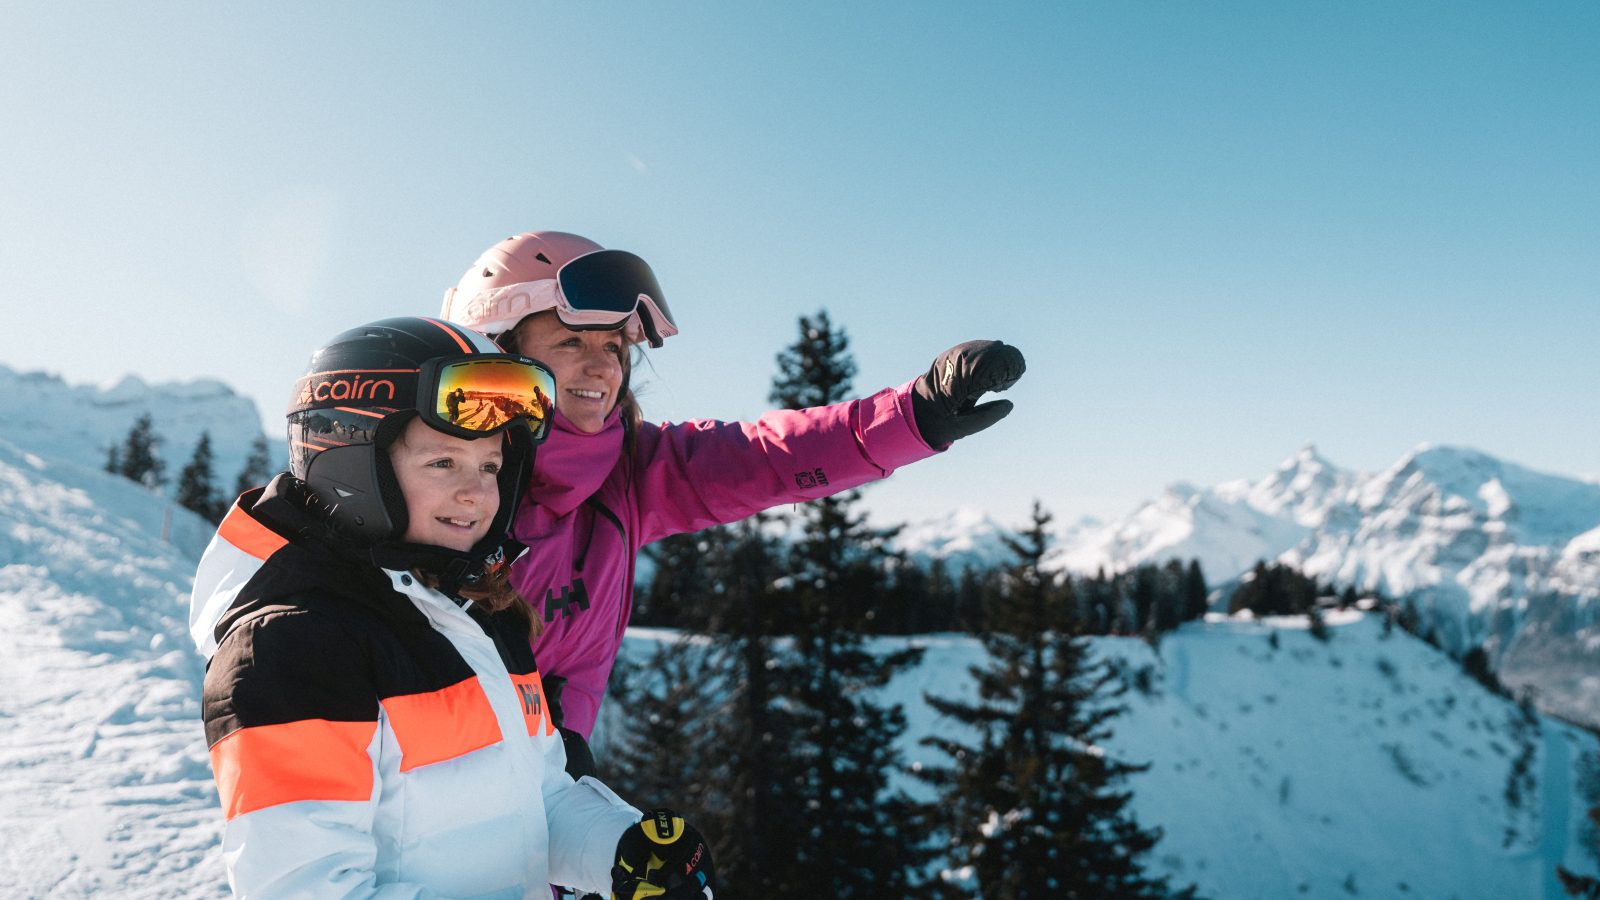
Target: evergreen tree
1170,598
257,469
724,761
850,837
1195,595
195,489
1319,627
969,600
817,369
137,460
1033,806
1275,590
1146,583
113,460
684,580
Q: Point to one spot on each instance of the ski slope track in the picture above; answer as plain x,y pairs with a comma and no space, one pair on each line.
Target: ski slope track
1492,553
105,786
1367,766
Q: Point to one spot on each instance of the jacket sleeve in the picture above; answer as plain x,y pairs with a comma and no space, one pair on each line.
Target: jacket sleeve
703,473
292,719
586,820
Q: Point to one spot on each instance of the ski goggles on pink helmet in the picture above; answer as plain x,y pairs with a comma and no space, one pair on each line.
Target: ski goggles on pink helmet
606,290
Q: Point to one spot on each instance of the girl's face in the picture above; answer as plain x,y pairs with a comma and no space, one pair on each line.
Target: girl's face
587,366
449,484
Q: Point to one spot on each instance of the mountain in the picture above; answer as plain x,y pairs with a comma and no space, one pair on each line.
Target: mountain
962,537
1492,553
41,413
105,786
1284,766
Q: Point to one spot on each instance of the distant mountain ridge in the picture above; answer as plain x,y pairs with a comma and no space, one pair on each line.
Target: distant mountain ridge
41,413
1493,553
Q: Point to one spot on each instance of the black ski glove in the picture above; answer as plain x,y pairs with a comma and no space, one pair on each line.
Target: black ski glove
943,399
663,856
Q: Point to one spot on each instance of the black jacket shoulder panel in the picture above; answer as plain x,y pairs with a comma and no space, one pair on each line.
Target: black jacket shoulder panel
314,636
286,663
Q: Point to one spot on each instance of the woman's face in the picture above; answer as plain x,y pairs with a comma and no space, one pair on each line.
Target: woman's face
449,484
587,366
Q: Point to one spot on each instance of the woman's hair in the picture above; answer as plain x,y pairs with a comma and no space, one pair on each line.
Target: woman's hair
495,593
632,414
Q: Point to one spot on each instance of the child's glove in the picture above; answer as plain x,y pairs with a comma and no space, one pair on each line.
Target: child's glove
663,856
944,399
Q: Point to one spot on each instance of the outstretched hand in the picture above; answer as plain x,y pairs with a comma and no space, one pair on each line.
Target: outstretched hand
945,399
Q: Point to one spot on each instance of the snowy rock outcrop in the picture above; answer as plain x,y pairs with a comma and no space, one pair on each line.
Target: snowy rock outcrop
42,414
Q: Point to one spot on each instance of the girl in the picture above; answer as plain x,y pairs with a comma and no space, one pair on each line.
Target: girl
607,482
375,715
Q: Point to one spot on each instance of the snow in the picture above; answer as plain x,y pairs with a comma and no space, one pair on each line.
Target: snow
41,413
1368,761
962,537
1493,553
1373,758
105,787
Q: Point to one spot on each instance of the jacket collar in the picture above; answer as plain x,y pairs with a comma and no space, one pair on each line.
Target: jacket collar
570,466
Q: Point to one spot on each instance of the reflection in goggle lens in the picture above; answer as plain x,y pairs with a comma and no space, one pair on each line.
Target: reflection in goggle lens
485,395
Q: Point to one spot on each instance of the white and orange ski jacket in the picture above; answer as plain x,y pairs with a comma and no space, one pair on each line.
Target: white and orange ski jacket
372,739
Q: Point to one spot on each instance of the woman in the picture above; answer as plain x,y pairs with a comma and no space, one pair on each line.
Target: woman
607,482
375,715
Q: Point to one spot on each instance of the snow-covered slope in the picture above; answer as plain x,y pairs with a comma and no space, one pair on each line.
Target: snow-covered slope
105,788
1494,553
1366,766
77,423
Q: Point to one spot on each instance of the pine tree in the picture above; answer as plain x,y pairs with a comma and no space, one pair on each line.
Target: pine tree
1275,590
1032,806
850,839
195,489
257,469
683,580
723,763
1196,599
817,369
113,460
137,460
1146,582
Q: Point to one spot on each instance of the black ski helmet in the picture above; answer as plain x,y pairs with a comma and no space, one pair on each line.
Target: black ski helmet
357,396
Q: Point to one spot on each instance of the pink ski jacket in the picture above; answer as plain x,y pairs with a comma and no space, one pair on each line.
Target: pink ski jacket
589,509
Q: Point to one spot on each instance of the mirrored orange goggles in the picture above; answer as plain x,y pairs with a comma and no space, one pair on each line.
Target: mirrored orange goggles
472,396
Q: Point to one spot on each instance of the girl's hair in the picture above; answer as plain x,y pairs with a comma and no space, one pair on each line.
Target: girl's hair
632,415
495,593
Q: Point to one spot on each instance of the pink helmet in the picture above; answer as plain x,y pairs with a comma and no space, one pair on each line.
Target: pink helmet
519,276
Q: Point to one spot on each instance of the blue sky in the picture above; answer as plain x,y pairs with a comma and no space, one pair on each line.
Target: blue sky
1218,230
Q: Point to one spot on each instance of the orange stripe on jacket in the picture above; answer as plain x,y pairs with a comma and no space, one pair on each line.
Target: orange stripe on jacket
442,725
535,709
313,759
244,532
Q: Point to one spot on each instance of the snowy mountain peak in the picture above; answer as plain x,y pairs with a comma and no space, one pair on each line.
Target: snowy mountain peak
961,537
41,413
1471,538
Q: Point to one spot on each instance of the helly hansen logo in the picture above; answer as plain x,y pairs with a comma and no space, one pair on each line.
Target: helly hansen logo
573,594
531,706
814,478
